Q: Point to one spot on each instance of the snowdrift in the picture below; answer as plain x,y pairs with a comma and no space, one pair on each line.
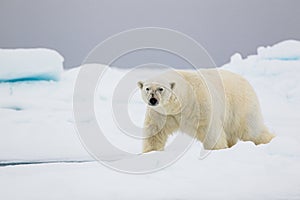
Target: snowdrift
276,68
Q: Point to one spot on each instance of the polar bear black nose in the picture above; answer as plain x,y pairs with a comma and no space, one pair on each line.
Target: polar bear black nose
153,101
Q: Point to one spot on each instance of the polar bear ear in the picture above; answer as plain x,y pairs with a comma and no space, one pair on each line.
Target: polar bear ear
172,85
140,84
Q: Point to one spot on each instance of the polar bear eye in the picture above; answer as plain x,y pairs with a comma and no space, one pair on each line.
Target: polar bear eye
147,89
160,89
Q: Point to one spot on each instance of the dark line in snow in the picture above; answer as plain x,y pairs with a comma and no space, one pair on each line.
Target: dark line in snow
5,164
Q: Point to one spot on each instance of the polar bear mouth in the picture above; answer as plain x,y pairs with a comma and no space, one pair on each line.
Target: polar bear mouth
153,101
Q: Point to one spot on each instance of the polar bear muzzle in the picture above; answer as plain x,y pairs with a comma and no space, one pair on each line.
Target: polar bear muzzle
153,101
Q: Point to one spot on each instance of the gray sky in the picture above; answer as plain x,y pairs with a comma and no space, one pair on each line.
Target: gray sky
74,27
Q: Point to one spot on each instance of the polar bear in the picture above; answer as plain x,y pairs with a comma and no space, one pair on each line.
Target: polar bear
215,106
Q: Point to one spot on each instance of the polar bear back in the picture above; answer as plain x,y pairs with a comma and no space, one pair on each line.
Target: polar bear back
229,96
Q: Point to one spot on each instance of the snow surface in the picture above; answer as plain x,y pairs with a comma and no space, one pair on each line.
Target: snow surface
37,125
30,64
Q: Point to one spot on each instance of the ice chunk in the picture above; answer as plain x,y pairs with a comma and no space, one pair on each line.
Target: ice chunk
30,64
286,50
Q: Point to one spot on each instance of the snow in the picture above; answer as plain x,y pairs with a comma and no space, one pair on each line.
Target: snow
37,125
30,64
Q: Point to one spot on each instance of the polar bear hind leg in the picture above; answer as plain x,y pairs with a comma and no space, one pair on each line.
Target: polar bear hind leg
256,131
263,137
216,140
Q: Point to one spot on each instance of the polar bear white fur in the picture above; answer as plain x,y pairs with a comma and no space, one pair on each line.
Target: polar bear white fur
215,106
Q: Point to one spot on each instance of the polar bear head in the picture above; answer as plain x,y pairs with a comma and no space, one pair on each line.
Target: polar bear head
156,93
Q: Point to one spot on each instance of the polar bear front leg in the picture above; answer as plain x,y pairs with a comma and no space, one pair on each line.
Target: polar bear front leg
155,142
157,128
